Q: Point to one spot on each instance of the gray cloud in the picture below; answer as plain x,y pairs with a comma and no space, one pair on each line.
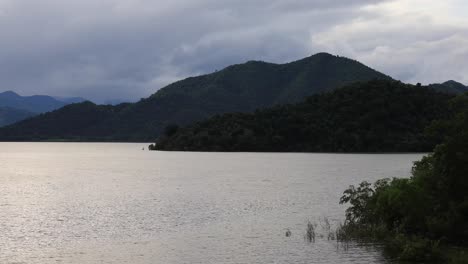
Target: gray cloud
128,49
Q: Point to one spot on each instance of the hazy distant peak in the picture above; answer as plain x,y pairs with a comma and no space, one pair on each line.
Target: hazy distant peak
34,103
450,86
454,83
10,93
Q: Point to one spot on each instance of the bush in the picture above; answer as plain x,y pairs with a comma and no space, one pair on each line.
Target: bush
416,215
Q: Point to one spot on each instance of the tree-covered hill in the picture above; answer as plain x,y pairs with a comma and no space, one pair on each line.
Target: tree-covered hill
75,122
238,88
378,116
256,83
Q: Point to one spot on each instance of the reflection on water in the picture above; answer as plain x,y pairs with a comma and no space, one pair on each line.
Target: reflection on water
114,203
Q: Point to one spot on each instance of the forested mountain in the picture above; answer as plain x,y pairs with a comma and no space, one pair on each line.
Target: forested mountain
74,122
377,116
11,115
238,88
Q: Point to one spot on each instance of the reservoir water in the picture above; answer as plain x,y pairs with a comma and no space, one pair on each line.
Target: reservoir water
116,203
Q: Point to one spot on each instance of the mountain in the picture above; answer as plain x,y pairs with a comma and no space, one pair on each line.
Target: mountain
15,108
35,103
63,123
237,88
377,116
450,87
12,115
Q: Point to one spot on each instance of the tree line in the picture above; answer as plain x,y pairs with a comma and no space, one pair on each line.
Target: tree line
375,116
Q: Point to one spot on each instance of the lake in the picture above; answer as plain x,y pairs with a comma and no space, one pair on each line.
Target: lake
116,203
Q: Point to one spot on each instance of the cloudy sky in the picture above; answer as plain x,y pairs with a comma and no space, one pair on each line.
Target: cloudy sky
127,49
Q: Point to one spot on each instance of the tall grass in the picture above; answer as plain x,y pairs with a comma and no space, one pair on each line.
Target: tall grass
310,232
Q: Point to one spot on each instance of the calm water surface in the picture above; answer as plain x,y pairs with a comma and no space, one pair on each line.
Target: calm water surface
115,203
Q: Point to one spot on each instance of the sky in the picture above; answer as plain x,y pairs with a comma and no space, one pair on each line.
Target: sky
128,49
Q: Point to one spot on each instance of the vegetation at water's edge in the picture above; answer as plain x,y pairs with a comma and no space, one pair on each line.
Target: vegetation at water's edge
377,116
423,218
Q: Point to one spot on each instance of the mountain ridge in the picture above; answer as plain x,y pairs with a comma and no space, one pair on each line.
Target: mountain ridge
242,87
34,103
16,107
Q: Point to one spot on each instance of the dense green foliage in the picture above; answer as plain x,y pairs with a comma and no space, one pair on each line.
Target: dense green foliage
238,88
11,115
421,215
378,116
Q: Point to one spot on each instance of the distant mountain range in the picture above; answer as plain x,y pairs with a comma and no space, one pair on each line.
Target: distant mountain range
14,107
35,103
237,88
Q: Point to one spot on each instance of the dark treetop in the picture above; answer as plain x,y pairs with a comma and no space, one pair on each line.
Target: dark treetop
423,218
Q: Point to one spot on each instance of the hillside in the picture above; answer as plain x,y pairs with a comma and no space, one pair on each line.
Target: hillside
14,107
378,116
238,88
63,124
11,115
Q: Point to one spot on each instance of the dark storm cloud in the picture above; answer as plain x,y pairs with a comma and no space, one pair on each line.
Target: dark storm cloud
128,49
